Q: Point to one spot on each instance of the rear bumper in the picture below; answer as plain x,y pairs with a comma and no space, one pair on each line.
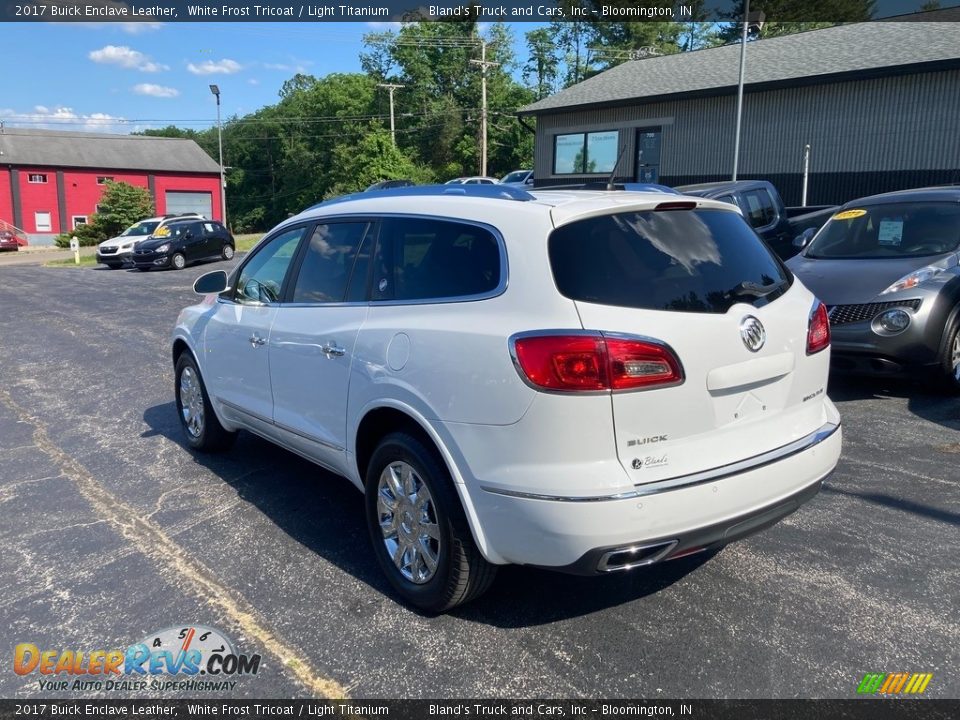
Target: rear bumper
575,534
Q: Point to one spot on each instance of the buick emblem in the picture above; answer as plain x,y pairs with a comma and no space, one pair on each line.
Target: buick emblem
752,333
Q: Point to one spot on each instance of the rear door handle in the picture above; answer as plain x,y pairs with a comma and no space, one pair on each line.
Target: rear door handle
332,350
257,341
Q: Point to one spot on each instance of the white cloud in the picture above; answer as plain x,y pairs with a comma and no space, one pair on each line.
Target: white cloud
64,118
130,28
159,91
298,66
384,25
212,67
125,57
253,81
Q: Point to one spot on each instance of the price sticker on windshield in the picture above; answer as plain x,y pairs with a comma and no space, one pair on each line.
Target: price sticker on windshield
849,214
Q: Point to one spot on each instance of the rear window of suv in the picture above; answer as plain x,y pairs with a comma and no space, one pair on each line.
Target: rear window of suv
700,261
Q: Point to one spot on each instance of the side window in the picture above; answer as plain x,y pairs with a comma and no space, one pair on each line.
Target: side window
261,278
759,207
433,260
328,263
209,228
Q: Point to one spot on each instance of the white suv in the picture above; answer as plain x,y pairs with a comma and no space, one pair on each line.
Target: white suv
583,381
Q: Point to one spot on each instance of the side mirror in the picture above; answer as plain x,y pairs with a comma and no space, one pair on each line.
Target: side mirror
212,282
804,238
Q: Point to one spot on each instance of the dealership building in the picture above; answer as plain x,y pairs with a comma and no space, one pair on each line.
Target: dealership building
51,181
878,103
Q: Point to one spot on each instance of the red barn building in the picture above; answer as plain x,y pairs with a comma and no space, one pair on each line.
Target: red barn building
51,181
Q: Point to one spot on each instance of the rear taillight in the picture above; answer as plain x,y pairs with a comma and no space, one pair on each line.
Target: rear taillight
591,362
818,329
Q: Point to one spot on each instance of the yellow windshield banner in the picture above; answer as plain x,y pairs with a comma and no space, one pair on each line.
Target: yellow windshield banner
849,214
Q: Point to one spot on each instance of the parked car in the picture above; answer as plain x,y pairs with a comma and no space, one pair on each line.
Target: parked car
887,268
118,251
764,209
10,241
179,243
589,382
390,184
473,180
521,178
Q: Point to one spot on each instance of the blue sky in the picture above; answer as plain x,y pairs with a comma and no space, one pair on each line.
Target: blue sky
124,77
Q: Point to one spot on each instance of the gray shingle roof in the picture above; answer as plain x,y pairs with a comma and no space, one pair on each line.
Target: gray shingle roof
56,148
869,46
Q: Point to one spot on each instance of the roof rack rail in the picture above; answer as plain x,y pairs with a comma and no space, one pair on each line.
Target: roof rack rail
493,192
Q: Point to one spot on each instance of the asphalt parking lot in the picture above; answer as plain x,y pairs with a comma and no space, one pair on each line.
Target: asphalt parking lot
110,529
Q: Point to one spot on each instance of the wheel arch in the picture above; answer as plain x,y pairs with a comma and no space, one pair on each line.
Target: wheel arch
377,422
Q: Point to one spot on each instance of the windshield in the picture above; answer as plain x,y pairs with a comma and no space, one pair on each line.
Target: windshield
516,176
141,229
895,230
702,261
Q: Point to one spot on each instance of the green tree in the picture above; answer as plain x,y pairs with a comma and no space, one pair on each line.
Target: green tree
543,65
372,159
120,206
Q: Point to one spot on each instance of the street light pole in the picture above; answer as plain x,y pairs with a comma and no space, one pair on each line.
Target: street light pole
484,65
215,89
391,87
743,66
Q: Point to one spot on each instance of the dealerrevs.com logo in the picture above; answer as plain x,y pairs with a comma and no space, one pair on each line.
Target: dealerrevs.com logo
894,683
172,659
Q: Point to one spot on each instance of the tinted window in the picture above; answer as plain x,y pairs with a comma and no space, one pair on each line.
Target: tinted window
261,279
759,208
433,259
329,262
681,260
894,230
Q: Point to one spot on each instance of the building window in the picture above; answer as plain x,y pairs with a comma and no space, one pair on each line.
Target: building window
585,153
36,178
79,220
104,180
42,221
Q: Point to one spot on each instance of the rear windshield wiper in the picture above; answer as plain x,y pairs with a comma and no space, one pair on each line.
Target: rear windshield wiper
752,289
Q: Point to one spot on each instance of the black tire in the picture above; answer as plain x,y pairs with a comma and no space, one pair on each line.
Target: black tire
211,435
178,261
227,251
948,380
461,573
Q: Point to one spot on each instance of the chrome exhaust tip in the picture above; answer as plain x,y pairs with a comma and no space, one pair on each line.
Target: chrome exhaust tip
634,556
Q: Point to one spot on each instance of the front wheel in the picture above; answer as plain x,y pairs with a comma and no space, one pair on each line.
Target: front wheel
418,528
178,261
950,361
200,424
227,252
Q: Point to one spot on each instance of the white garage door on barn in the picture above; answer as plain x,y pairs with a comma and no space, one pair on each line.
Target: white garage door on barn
179,202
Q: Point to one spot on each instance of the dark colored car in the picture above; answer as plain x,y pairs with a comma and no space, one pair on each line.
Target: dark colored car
179,243
10,241
764,209
390,184
887,268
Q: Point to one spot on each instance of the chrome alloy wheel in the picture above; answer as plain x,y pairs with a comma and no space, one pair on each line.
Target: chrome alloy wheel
408,522
191,402
955,357
227,252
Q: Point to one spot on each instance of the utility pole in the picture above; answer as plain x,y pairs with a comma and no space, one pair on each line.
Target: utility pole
391,87
484,65
223,182
751,25
743,67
